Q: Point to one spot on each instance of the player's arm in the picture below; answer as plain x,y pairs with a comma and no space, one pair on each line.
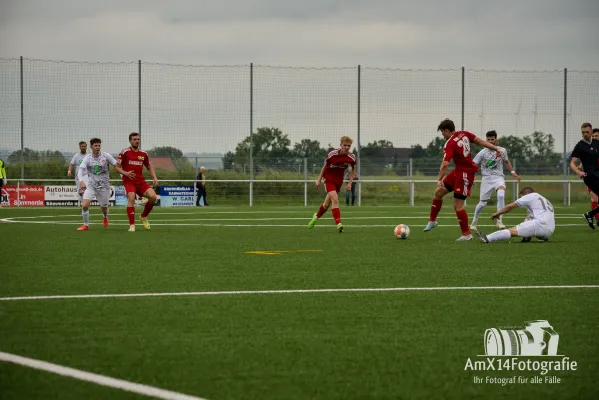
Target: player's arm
488,145
514,174
352,176
321,175
117,166
505,210
70,170
574,167
82,167
153,174
442,172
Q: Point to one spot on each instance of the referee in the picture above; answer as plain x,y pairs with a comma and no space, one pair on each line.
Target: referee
587,151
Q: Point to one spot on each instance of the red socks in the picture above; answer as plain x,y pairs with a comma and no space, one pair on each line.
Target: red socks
337,215
147,209
321,211
463,218
131,215
435,208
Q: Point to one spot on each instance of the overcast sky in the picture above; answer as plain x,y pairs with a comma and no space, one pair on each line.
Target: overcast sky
64,100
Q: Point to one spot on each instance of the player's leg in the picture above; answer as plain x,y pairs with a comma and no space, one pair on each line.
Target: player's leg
592,183
321,210
440,192
88,196
594,204
334,198
485,194
503,234
500,204
463,186
149,194
347,195
131,192
103,197
353,192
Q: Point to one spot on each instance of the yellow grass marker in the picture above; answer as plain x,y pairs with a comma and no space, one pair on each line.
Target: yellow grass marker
277,252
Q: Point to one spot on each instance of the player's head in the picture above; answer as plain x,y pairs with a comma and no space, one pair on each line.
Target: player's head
96,145
134,139
345,144
587,131
492,137
526,190
83,147
447,128
595,134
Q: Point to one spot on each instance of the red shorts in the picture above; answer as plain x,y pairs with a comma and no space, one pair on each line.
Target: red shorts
138,187
459,182
332,186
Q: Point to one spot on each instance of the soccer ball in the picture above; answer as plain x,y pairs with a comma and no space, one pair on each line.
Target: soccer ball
401,231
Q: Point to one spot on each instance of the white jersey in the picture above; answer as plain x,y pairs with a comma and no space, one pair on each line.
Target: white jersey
76,161
98,172
538,208
490,165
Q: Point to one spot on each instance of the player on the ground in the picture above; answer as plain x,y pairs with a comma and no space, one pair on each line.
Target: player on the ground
491,169
587,152
133,160
540,220
76,162
97,184
460,179
333,171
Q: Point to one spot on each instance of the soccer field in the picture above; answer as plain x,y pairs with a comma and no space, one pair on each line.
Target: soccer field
247,303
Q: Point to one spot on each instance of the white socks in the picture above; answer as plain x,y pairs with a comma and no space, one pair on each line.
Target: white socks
499,235
500,200
85,217
479,209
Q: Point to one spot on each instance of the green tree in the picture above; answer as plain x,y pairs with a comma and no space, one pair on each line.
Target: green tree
270,147
228,160
310,149
543,145
418,152
435,147
166,151
28,156
518,148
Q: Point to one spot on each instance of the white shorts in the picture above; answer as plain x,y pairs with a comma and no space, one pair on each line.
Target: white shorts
489,184
537,228
102,195
78,185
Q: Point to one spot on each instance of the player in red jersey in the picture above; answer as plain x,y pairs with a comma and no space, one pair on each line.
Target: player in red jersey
333,171
460,180
133,160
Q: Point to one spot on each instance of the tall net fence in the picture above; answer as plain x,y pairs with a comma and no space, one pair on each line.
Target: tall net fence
265,123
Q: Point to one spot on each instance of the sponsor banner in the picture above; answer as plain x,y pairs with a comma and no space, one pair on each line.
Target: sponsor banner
27,196
59,196
176,196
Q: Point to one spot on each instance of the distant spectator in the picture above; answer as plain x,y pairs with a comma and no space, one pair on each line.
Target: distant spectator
201,186
2,175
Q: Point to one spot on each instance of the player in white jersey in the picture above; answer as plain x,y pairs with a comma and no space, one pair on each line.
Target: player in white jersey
540,221
98,176
76,162
491,169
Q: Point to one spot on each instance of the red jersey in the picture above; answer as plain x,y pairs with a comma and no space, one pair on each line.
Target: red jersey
457,148
336,165
131,160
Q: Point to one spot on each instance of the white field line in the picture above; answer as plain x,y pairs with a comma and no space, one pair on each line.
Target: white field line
297,291
306,218
174,223
95,378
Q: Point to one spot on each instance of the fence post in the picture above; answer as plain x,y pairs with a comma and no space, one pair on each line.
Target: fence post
22,126
565,129
514,185
251,134
358,141
411,184
569,193
305,182
463,94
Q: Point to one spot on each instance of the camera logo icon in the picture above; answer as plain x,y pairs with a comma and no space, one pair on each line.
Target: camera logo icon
535,338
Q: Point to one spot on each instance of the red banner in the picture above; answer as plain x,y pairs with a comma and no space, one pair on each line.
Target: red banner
27,196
